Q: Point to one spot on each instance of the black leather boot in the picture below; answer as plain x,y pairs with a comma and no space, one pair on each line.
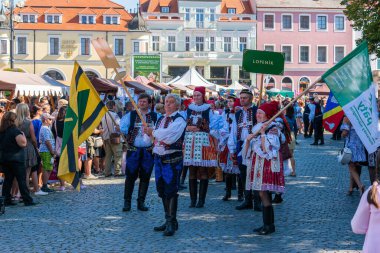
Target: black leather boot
240,189
268,219
233,179
193,190
171,222
203,185
128,190
163,226
277,198
247,204
257,202
143,189
228,179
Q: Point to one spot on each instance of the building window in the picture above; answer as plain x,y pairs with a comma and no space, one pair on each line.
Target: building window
32,19
231,11
269,21
322,23
85,46
200,18
187,14
187,43
339,23
287,84
84,19
119,47
227,44
165,9
25,18
322,54
56,19
49,19
21,45
212,15
171,43
91,74
304,83
115,20
199,44
108,20
54,75
269,48
54,46
287,22
136,47
156,43
53,19
91,20
287,50
4,46
338,53
212,44
243,44
304,54
304,23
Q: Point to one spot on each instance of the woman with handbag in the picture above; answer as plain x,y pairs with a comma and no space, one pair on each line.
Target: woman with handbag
93,144
13,159
358,151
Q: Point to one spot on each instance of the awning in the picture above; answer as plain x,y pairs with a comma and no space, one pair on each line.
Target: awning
162,87
103,85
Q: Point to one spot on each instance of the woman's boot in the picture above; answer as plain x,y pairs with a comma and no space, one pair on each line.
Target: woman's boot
203,185
193,190
228,180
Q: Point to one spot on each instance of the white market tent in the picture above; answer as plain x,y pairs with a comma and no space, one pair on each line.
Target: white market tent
31,84
193,78
236,86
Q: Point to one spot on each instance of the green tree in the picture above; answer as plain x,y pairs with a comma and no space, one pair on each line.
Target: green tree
365,17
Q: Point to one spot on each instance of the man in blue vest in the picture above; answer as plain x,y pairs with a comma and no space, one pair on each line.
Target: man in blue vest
241,127
139,155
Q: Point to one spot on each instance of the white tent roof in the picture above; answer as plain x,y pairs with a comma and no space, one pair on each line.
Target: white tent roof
191,77
236,86
31,84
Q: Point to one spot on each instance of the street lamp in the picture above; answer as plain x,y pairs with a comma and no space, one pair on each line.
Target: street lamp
9,5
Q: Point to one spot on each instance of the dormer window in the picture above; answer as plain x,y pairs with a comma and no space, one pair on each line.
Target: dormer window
165,9
87,19
28,18
231,11
111,20
53,19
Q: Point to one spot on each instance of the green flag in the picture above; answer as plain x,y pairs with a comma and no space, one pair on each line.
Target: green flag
351,83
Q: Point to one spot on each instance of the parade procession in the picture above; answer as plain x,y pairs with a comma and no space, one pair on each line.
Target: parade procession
189,126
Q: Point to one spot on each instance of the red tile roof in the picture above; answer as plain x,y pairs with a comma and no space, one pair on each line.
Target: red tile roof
28,10
242,7
70,17
111,11
154,5
87,11
53,10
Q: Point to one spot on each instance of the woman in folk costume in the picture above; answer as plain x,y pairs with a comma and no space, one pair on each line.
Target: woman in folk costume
262,153
228,165
200,150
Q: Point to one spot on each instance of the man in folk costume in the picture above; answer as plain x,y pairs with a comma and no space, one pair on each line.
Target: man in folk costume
200,151
229,166
317,115
139,155
168,136
242,125
261,153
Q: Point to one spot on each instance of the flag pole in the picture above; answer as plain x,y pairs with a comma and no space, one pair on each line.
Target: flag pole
118,76
261,90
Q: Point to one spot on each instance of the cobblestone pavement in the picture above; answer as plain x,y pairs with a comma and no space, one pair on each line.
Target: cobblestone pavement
315,217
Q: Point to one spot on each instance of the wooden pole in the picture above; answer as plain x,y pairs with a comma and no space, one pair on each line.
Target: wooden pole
261,90
130,97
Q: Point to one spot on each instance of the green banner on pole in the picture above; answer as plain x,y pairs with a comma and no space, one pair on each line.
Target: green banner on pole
263,62
148,66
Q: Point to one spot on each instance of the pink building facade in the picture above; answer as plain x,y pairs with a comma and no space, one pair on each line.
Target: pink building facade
314,35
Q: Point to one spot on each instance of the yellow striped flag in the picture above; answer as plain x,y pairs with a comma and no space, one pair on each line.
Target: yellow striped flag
84,113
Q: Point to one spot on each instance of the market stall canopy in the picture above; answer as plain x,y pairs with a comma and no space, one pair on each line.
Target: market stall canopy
138,87
165,89
192,77
103,85
31,84
237,86
142,79
320,89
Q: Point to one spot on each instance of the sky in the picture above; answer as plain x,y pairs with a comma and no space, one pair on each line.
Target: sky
129,4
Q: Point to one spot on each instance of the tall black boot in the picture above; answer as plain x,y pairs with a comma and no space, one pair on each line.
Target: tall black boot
233,179
143,189
257,202
193,190
128,190
268,220
240,189
247,204
171,222
228,179
203,185
163,226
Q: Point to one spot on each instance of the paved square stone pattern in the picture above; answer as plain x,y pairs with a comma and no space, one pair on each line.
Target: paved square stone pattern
314,217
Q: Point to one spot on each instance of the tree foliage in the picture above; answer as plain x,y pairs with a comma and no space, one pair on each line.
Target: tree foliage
365,17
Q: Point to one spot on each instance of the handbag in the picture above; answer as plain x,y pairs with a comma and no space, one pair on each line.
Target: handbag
285,151
345,154
114,137
98,142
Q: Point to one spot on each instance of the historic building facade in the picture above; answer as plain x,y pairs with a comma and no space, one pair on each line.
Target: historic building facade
209,36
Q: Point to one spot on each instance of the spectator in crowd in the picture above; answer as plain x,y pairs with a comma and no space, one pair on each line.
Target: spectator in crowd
13,159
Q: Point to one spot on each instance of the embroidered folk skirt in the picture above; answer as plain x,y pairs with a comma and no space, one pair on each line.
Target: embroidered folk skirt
200,150
265,175
228,166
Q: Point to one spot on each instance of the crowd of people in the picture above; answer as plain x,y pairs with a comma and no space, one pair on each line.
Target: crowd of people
245,138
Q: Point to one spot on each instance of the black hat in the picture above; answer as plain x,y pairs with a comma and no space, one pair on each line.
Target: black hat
246,91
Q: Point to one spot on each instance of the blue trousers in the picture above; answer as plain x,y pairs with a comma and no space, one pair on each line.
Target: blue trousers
167,175
139,164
